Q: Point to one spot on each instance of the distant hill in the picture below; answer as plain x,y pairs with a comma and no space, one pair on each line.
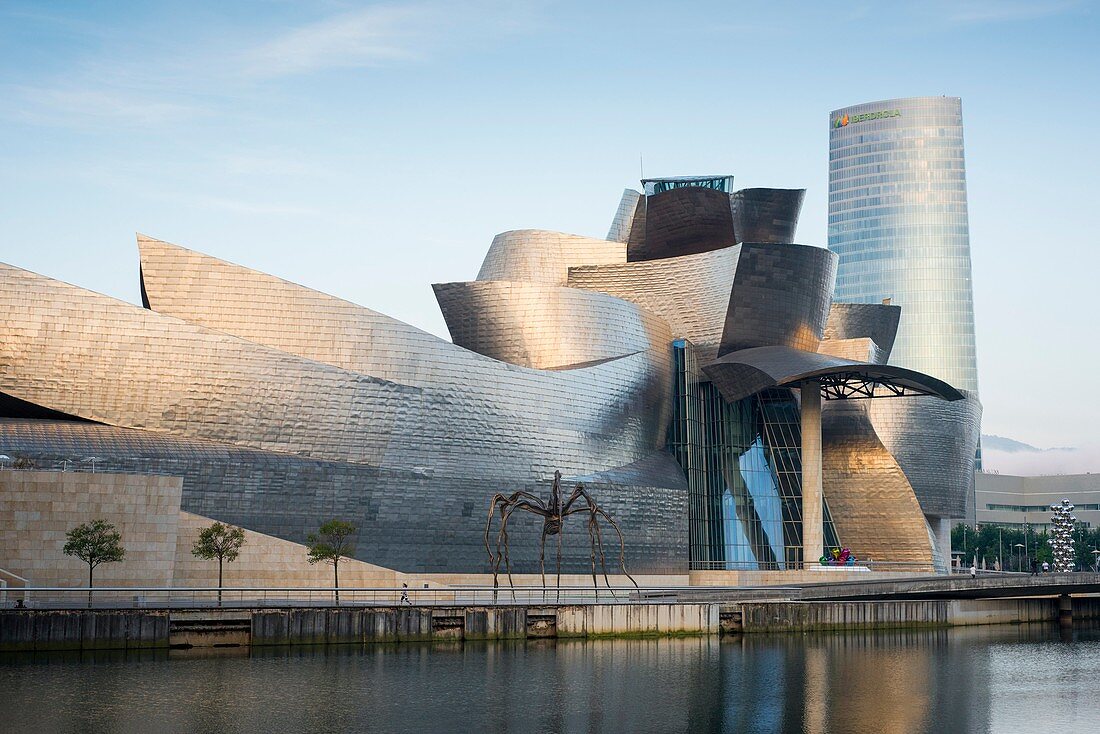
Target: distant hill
1012,446
1008,456
1009,445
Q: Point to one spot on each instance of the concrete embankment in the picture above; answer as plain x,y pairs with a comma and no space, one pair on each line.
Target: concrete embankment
83,629
93,629
799,616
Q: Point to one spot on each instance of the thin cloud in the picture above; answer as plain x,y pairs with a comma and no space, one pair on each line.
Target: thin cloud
99,107
382,35
1001,11
178,78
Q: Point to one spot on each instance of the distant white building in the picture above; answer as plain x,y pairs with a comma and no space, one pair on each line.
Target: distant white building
1018,501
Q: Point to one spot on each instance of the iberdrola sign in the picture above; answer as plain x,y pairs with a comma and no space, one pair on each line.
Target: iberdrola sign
844,120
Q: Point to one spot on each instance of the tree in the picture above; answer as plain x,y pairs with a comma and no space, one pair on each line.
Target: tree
219,541
331,544
94,543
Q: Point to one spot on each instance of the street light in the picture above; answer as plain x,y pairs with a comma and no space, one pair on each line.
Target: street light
1020,565
93,459
1095,560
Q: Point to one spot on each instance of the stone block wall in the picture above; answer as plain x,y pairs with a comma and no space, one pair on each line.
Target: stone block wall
267,561
37,508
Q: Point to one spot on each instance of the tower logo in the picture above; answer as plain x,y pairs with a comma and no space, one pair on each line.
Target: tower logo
843,120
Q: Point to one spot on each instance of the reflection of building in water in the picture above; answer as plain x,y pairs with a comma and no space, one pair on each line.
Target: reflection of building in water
888,682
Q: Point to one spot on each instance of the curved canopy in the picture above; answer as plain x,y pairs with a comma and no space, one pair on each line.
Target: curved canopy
747,371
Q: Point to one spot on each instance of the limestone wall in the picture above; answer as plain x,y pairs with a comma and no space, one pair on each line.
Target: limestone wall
266,561
37,508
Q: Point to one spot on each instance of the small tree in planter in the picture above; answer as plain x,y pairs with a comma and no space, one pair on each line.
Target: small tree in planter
223,542
94,543
331,544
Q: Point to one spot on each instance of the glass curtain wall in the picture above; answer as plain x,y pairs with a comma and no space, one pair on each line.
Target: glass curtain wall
744,470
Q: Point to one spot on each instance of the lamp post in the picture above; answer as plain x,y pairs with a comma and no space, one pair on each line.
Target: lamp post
1020,565
1000,550
1095,560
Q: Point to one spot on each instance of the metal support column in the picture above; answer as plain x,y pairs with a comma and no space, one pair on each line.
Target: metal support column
813,515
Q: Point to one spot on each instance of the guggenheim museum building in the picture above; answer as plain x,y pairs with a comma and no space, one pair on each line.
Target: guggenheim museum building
692,370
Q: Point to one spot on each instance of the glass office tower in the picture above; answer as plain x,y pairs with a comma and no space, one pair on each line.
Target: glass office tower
898,221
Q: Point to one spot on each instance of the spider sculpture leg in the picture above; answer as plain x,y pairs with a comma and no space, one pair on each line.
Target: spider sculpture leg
521,504
592,543
596,512
561,530
542,561
504,503
567,509
622,545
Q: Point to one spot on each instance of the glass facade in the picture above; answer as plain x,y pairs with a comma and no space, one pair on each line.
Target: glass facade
898,221
659,185
744,468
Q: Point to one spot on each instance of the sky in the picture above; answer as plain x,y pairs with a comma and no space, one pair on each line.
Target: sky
370,149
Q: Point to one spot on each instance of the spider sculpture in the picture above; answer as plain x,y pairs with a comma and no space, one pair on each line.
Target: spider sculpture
554,511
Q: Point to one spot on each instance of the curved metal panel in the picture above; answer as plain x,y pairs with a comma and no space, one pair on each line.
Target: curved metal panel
267,310
745,372
934,442
870,498
875,321
544,326
629,218
766,215
781,296
409,519
857,350
684,221
691,293
91,356
540,256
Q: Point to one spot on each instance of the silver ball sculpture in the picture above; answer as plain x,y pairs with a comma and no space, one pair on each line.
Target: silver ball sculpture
1061,540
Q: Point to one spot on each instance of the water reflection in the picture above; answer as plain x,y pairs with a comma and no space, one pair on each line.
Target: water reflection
993,679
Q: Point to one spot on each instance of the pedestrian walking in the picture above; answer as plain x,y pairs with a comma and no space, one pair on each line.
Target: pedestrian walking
973,571
1046,567
1034,566
405,594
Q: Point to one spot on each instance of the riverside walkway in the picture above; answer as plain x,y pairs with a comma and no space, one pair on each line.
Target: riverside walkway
986,586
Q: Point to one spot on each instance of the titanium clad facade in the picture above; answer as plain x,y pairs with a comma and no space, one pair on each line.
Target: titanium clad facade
873,502
691,292
875,321
781,295
898,221
282,407
766,215
544,326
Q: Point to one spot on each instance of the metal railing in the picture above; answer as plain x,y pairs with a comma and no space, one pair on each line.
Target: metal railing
5,586
892,566
259,597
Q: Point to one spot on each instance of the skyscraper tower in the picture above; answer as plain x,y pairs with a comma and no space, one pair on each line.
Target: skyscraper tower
898,221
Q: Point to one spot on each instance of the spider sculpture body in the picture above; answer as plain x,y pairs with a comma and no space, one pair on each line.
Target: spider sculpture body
553,511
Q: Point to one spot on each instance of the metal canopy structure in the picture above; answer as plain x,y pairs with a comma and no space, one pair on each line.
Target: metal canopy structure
746,371
857,385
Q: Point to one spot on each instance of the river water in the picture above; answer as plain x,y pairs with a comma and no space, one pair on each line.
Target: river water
1026,678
